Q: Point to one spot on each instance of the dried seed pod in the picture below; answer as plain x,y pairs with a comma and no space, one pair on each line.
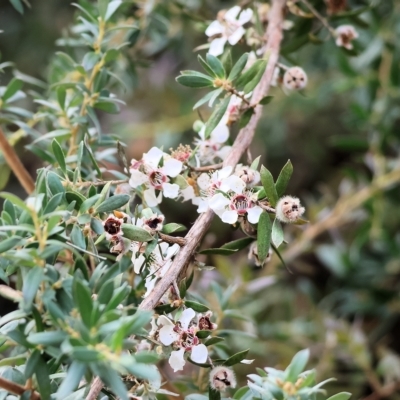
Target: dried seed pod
222,378
345,34
295,78
289,209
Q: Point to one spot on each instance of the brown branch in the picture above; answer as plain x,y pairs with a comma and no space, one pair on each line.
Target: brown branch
15,164
97,183
17,389
172,239
206,168
273,36
242,142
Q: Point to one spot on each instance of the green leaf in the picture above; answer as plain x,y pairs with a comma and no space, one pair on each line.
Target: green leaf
266,100
196,306
90,152
107,106
297,365
51,338
136,233
254,82
236,358
75,373
43,379
263,236
17,5
77,237
147,357
209,97
252,73
238,67
16,201
142,371
245,118
213,394
240,393
113,203
215,65
340,396
5,173
205,66
216,117
31,285
238,244
83,301
59,154
277,233
12,88
88,203
173,227
227,62
283,178
9,243
213,340
203,334
106,292
197,80
54,183
220,251
268,183
112,8
31,364
61,95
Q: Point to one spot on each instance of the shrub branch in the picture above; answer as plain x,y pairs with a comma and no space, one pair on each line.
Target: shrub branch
273,36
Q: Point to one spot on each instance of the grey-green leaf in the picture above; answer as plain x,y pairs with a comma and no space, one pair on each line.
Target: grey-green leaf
216,65
238,67
297,365
136,233
113,203
263,236
283,178
216,117
269,186
277,233
59,154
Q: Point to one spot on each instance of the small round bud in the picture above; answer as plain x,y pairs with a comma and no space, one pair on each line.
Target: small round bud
253,255
198,126
289,209
222,378
249,176
345,34
295,78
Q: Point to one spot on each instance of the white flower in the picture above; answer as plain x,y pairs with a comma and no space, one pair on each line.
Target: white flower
161,261
148,172
288,209
237,203
112,227
228,28
210,149
249,176
295,78
345,34
182,334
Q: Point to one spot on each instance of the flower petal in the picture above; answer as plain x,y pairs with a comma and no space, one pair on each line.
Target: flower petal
218,202
176,360
229,217
203,181
245,16
222,173
214,28
172,167
217,46
153,156
199,354
232,13
188,193
137,178
138,263
253,214
236,36
167,335
150,197
233,183
170,190
220,134
186,317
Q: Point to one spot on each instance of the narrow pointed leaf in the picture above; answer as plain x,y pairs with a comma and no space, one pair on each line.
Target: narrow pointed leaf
283,178
268,183
263,236
216,117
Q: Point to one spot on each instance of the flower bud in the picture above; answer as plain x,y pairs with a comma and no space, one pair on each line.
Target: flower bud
345,34
221,378
295,78
253,255
249,176
288,209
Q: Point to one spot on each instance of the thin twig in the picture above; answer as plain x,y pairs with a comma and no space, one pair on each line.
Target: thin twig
17,389
15,164
320,17
172,239
241,144
206,168
97,183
